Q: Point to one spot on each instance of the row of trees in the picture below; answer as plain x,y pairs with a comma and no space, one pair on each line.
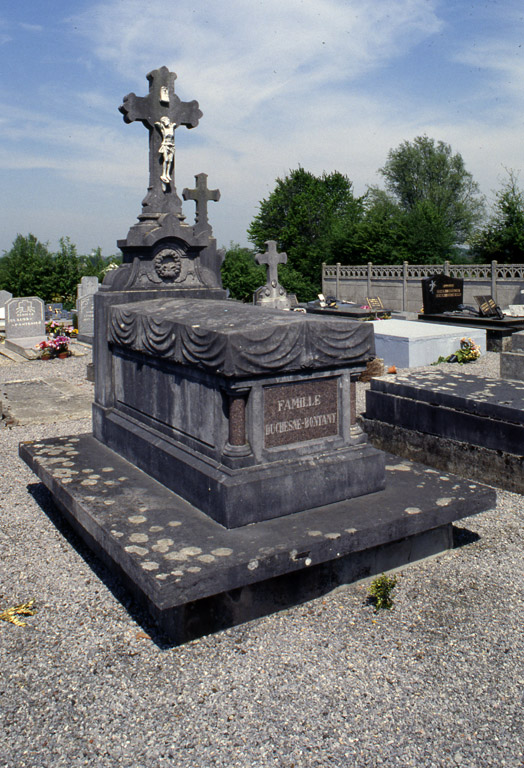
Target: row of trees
431,210
29,268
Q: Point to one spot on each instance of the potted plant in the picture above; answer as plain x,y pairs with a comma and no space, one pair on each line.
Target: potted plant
46,349
61,345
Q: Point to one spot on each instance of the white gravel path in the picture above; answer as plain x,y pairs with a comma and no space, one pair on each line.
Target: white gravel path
437,681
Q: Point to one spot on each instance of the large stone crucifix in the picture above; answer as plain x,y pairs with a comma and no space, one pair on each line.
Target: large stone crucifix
201,195
161,111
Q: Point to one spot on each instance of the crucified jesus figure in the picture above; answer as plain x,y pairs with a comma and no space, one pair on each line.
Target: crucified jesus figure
167,148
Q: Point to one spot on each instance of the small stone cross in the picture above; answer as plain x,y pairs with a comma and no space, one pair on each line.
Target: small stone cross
272,259
161,111
201,195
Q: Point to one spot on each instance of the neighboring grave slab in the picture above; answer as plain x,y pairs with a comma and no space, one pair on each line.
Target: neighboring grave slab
442,293
460,422
408,344
25,325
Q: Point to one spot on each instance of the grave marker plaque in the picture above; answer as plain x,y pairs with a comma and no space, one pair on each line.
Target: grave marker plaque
375,303
441,293
295,413
487,306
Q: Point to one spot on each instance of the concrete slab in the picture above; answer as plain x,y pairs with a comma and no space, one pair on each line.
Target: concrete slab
195,576
39,401
408,344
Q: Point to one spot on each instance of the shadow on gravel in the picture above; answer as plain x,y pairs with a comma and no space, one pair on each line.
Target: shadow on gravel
45,501
463,536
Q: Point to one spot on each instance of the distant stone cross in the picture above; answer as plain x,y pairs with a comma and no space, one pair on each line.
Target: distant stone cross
272,259
201,195
161,111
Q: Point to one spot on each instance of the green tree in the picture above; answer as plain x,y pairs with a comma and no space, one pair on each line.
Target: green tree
503,236
27,269
431,184
300,215
68,270
241,274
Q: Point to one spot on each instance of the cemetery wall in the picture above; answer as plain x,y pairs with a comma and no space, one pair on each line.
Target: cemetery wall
399,285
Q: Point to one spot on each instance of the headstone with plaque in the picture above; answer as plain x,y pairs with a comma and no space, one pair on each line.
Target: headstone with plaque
24,325
488,307
442,293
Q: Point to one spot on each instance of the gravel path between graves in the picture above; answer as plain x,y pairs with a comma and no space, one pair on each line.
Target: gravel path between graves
437,681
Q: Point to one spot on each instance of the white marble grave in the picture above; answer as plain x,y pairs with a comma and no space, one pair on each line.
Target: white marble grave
408,344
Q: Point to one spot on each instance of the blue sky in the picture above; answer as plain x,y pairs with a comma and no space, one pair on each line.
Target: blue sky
325,84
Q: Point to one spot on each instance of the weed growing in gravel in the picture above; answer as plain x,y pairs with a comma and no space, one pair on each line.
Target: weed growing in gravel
380,591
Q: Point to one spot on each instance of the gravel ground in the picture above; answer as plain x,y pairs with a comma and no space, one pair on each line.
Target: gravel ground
437,681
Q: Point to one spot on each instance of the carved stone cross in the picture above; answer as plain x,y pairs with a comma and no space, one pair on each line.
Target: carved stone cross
201,195
161,111
272,259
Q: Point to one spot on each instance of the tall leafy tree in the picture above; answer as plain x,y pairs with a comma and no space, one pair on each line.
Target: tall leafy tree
300,215
27,269
503,236
431,184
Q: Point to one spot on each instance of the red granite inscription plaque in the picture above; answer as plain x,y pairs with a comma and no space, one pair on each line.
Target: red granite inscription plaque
294,413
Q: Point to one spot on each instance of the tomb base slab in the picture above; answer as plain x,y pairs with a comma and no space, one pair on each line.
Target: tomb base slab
196,577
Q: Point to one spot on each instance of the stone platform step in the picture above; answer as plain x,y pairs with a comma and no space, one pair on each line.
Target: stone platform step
467,424
196,576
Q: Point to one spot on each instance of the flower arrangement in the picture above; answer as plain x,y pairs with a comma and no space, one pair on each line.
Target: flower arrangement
59,328
57,347
468,352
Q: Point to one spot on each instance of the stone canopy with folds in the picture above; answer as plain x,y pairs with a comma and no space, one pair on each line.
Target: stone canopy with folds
233,339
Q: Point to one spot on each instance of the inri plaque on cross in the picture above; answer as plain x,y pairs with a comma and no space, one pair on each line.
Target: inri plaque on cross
161,111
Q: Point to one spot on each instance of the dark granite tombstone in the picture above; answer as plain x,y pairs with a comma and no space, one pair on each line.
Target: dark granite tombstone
226,475
441,293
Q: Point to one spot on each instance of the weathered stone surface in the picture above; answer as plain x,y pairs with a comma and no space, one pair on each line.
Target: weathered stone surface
236,339
43,402
512,365
463,423
191,572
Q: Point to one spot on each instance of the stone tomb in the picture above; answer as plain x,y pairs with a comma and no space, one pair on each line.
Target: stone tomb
24,325
457,422
226,476
243,411
408,344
